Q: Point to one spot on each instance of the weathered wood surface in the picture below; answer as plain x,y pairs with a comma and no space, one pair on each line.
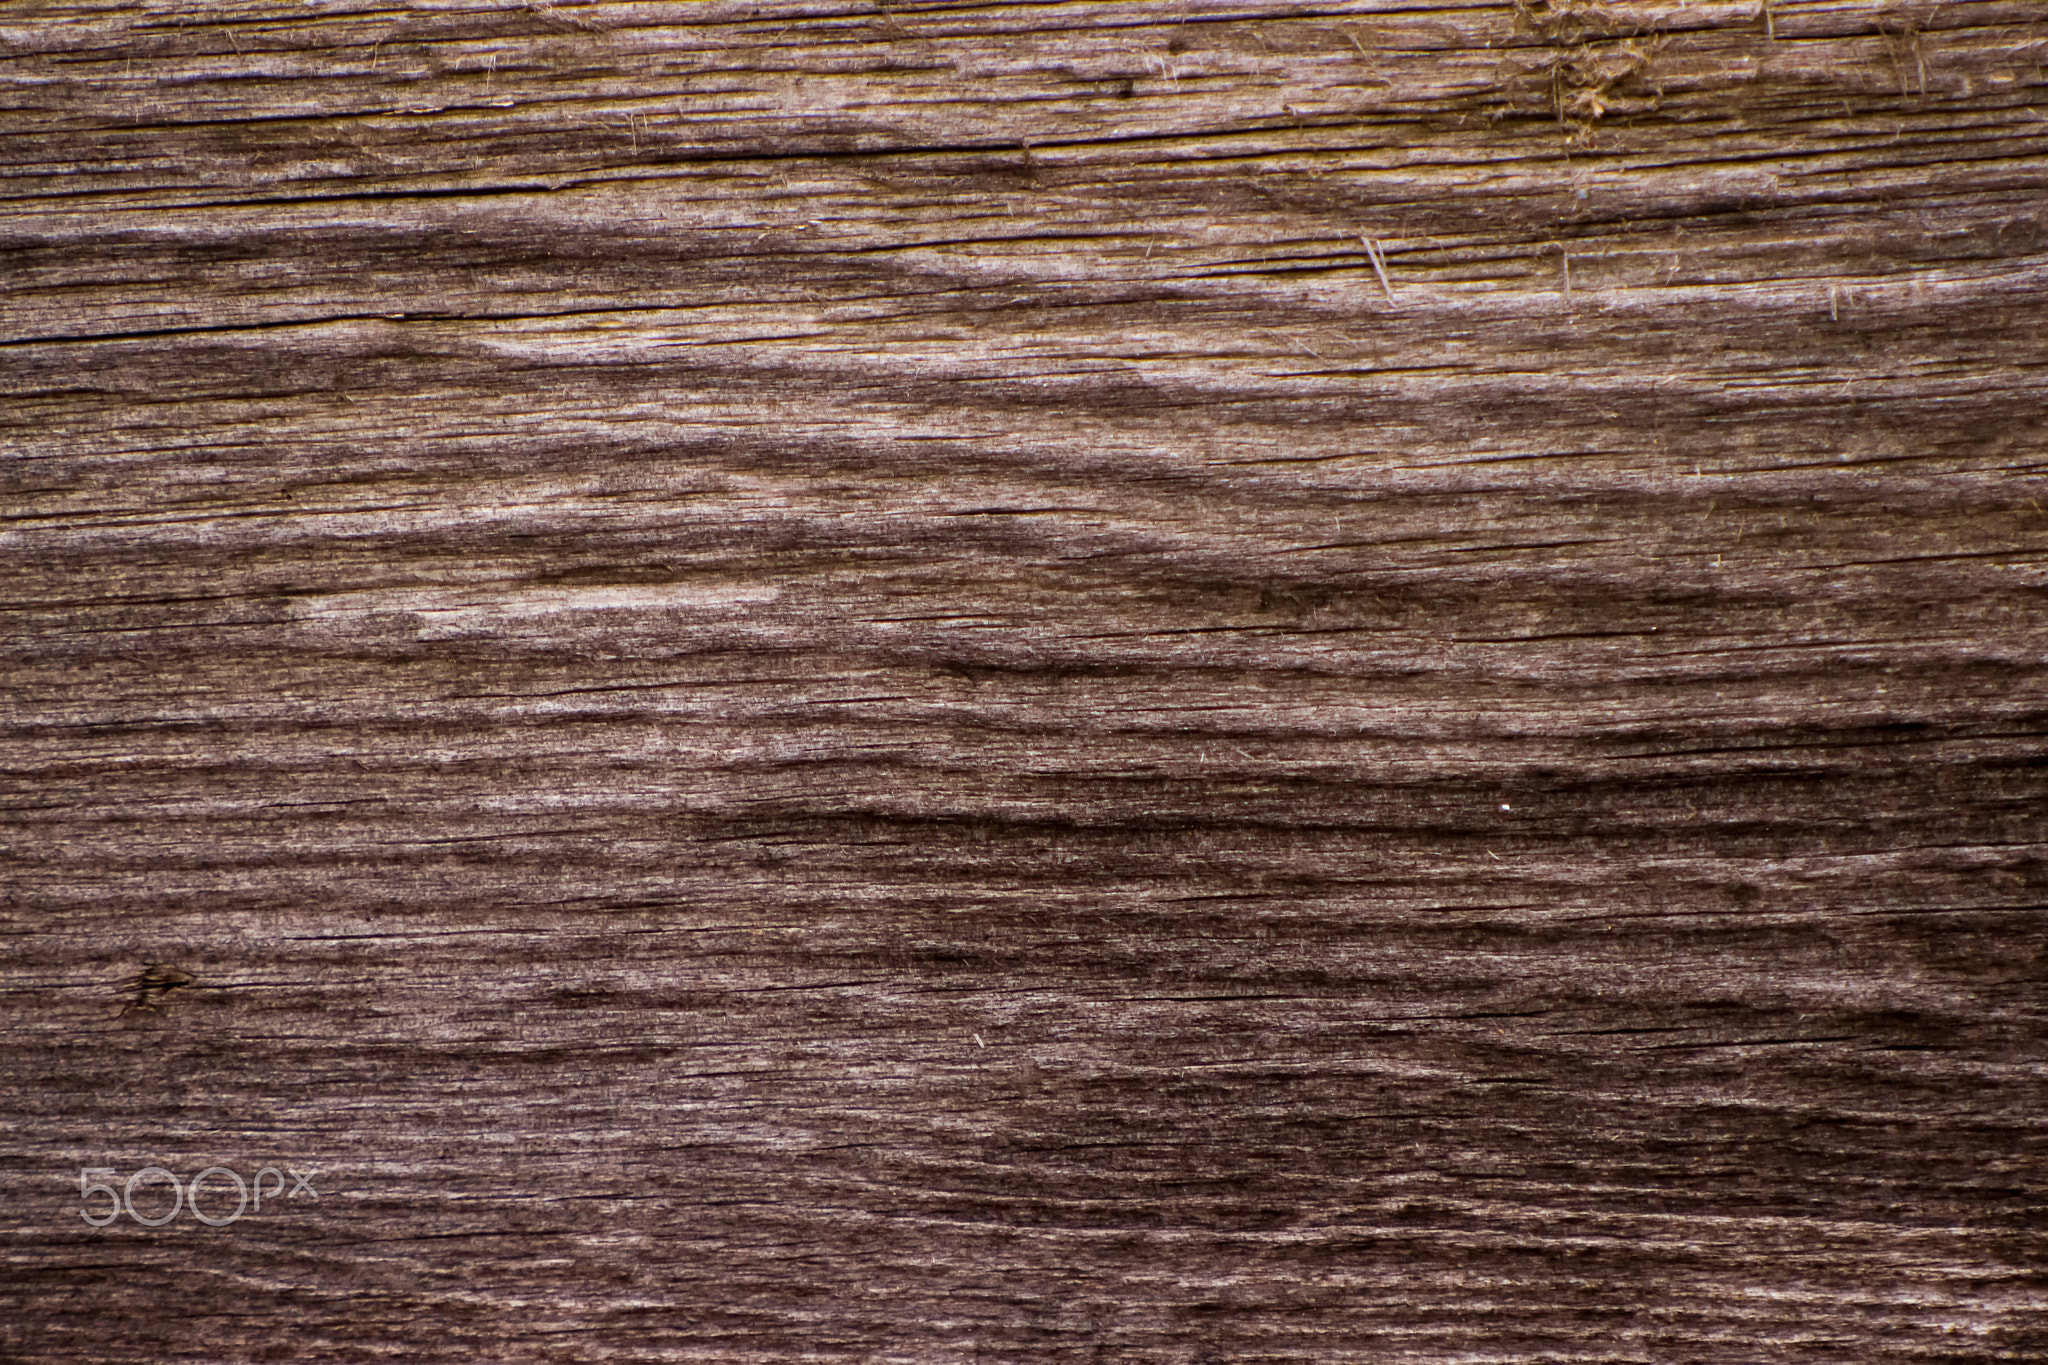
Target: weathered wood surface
837,681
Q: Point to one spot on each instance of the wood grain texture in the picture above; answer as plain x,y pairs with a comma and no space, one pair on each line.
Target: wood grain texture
1026,682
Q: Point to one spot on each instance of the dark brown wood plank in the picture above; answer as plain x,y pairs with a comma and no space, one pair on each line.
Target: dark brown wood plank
1161,682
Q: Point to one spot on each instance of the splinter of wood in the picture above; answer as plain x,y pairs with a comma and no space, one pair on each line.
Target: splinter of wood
1379,264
